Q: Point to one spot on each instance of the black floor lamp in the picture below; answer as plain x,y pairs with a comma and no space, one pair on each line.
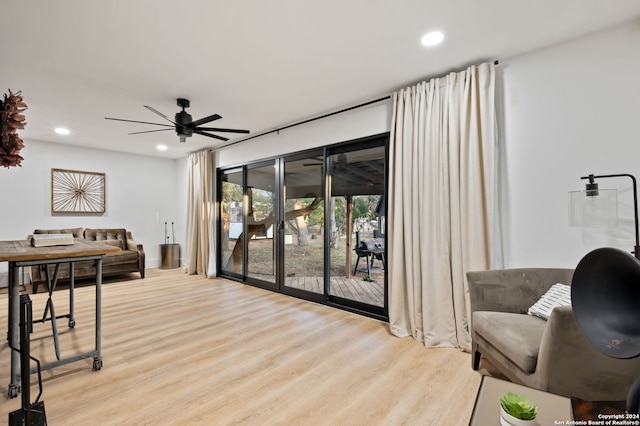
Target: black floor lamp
605,291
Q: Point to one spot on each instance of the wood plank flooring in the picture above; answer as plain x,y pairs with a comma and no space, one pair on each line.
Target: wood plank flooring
352,289
187,350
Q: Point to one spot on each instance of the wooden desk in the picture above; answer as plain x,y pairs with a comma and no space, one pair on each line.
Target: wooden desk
20,254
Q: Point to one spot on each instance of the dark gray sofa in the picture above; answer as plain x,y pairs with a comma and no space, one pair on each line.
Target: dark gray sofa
130,258
552,355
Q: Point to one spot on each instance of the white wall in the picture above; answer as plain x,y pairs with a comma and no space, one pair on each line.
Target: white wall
569,111
182,184
141,194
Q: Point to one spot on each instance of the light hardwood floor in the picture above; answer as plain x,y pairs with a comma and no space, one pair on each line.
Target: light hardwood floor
181,349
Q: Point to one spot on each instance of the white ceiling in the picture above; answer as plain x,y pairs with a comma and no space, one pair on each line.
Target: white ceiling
259,64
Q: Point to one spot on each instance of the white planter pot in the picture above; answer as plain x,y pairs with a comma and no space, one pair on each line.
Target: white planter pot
507,419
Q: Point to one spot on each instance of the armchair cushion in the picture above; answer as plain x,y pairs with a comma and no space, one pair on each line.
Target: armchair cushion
516,336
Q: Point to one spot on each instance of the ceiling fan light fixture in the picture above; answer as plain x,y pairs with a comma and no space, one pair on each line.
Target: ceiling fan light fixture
183,124
183,118
184,131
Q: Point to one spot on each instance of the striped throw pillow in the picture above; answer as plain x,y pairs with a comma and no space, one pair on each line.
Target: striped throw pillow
557,295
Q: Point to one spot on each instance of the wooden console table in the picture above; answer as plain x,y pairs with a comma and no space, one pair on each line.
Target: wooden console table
20,254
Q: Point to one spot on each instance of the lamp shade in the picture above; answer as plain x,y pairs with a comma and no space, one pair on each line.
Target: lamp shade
588,210
604,297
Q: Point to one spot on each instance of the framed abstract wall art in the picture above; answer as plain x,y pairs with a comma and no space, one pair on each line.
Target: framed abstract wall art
74,191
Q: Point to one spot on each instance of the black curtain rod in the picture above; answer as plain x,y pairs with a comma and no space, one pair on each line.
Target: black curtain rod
305,121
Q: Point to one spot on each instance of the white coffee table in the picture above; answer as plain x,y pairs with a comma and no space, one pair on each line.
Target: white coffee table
486,411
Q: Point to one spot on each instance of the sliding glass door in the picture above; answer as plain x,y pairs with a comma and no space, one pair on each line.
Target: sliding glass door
231,222
261,220
247,222
356,233
310,224
304,223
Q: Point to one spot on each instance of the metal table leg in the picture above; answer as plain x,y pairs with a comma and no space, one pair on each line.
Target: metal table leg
72,284
14,327
97,360
49,311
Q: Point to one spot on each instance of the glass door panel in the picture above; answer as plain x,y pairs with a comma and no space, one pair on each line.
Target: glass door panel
231,222
261,220
304,224
356,226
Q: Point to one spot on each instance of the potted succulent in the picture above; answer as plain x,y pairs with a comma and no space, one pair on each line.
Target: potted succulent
517,410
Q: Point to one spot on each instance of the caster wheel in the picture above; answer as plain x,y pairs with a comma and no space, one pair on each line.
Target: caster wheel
97,364
14,390
72,323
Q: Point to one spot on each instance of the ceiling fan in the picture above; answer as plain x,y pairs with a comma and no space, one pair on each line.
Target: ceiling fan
184,125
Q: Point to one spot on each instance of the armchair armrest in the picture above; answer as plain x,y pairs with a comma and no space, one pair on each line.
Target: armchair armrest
568,361
512,290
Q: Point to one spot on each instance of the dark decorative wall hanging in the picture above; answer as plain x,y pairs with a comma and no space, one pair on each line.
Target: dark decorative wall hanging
73,191
11,119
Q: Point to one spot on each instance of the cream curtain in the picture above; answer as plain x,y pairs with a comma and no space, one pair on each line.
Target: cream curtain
200,215
441,185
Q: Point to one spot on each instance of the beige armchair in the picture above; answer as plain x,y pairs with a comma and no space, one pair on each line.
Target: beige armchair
551,355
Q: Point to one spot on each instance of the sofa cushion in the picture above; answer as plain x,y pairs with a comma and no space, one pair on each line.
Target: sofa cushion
114,243
516,336
107,234
125,256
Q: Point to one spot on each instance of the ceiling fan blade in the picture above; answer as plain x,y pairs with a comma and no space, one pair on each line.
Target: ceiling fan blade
134,121
216,129
200,132
149,131
160,114
205,120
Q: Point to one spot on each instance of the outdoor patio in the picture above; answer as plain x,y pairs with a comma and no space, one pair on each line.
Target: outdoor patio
371,292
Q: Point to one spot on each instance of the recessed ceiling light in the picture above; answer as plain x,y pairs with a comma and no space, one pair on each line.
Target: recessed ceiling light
431,39
62,131
162,147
